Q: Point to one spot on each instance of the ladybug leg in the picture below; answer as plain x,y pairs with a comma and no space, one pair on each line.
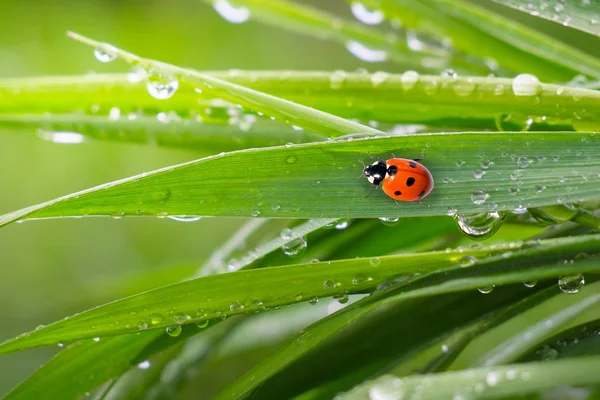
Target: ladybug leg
362,173
371,192
420,158
424,204
395,202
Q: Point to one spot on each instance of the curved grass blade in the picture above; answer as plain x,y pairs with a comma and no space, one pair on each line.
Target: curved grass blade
310,21
296,114
516,267
293,182
504,381
582,15
386,98
478,31
519,344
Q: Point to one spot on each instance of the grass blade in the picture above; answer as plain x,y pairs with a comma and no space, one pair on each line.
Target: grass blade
581,15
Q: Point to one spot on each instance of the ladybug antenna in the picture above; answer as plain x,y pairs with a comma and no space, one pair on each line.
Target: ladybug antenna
424,204
362,173
372,156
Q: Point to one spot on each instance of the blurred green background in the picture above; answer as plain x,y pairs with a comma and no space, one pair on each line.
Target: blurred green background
51,269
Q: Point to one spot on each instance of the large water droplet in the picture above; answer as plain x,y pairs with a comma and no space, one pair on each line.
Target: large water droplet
464,87
571,284
526,85
342,224
144,364
295,247
480,226
529,284
105,55
366,16
389,221
365,53
161,86
486,289
235,15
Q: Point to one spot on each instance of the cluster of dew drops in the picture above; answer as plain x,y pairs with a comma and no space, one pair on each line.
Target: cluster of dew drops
162,87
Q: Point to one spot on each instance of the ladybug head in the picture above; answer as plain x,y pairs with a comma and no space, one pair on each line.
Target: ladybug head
375,172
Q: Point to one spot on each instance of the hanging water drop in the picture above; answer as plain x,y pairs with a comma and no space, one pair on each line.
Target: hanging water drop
161,86
364,15
185,218
530,284
526,85
342,224
174,331
104,55
235,15
389,221
480,226
571,284
486,289
449,73
365,53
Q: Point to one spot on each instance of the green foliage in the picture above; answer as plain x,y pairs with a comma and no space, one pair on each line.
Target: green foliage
324,293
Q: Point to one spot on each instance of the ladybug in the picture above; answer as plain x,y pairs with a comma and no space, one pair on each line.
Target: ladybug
403,179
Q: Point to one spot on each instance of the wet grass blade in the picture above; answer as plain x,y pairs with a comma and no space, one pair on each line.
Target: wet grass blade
505,381
106,103
582,15
295,114
473,172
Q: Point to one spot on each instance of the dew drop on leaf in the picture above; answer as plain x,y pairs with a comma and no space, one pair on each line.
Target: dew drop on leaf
174,331
409,79
479,196
230,13
161,86
329,284
467,261
391,221
365,15
526,85
104,56
571,284
295,247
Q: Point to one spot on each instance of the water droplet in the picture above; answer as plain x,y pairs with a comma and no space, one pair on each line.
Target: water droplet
291,159
539,188
144,364
313,300
61,137
185,218
524,161
343,298
391,221
467,261
480,226
337,79
202,324
295,247
379,77
255,213
365,53
96,339
571,284
530,284
547,353
105,55
445,348
364,15
478,174
375,261
464,87
156,319
161,86
451,211
174,331
499,90
486,289
235,15
180,318
236,307
479,196
449,73
342,224
329,284
526,85
492,379
409,79
513,190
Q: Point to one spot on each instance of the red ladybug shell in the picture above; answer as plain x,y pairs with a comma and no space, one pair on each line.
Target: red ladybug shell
408,181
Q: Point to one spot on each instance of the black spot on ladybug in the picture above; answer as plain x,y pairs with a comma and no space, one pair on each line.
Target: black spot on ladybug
412,164
398,193
422,194
410,181
392,170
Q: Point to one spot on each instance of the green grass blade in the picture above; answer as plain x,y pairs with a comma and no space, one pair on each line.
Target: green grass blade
311,21
505,381
385,98
518,345
547,167
81,367
296,114
478,31
582,15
